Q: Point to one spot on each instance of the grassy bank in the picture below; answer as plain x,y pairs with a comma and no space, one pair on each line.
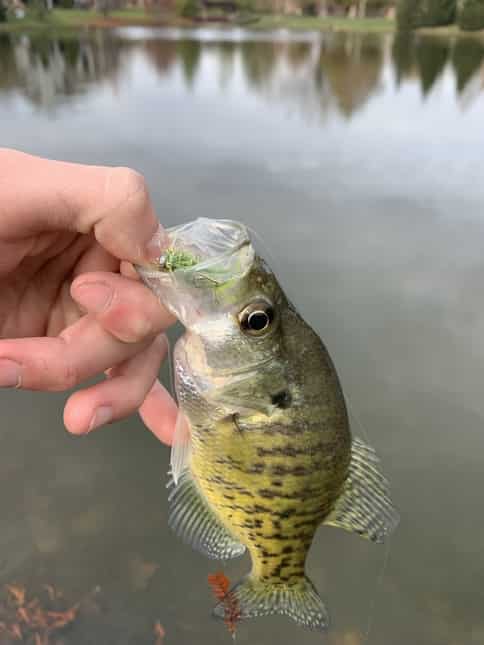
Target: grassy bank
72,19
62,20
450,31
324,24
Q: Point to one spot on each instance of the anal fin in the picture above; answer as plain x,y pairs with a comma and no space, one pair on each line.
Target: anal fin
192,519
364,506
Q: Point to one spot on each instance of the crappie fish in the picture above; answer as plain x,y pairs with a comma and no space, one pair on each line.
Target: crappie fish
263,453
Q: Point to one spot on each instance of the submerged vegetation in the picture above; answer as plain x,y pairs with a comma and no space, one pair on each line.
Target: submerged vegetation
174,259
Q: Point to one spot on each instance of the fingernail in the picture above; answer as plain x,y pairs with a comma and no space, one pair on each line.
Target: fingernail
156,387
103,415
156,244
93,296
10,373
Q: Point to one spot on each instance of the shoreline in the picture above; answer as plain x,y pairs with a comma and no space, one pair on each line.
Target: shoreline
72,21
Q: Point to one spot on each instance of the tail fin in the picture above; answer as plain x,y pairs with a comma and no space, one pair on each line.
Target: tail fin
300,601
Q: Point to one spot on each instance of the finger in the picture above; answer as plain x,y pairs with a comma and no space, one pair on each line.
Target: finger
159,413
124,307
112,203
120,395
81,351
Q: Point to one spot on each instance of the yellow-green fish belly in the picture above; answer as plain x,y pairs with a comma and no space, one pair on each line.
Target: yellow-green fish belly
270,490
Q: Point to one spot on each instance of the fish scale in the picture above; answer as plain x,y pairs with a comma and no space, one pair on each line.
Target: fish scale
270,455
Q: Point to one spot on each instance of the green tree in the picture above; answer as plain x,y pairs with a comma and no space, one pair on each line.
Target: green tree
3,12
471,16
187,8
408,15
436,13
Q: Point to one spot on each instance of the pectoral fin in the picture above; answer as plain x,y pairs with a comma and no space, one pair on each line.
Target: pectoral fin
364,506
192,519
181,447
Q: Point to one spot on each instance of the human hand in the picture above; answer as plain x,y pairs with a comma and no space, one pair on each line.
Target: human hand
71,306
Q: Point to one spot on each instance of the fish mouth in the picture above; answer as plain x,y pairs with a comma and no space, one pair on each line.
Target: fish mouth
209,251
200,243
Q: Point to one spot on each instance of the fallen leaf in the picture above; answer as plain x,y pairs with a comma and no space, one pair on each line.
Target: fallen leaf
220,585
17,594
141,571
16,632
159,632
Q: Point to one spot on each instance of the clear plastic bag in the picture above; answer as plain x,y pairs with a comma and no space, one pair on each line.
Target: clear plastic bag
222,252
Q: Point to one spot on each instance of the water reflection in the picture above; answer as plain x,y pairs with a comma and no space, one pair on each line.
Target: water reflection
47,71
427,58
331,73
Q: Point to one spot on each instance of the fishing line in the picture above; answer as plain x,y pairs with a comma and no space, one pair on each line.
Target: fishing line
381,575
378,585
266,253
354,417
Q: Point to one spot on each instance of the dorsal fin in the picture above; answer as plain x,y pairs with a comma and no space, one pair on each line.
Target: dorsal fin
364,506
192,519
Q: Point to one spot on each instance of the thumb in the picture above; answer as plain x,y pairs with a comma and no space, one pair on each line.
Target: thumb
112,203
124,221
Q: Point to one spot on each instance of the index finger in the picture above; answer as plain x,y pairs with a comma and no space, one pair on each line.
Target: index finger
112,203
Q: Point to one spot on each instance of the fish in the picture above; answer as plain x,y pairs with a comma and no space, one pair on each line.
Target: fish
263,453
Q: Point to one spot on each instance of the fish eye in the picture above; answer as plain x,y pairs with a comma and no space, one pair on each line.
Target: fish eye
256,319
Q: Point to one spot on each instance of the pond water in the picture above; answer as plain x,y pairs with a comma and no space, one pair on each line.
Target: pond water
359,160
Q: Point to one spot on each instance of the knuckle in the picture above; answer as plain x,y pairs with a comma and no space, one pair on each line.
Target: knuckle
131,183
68,376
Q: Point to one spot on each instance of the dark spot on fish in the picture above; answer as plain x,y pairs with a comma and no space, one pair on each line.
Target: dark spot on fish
278,536
309,522
298,471
282,399
235,419
289,450
278,470
256,469
277,483
286,513
276,524
288,549
268,554
276,572
257,508
268,493
229,461
258,523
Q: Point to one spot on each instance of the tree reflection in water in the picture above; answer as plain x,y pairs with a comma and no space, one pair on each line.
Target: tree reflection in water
315,76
